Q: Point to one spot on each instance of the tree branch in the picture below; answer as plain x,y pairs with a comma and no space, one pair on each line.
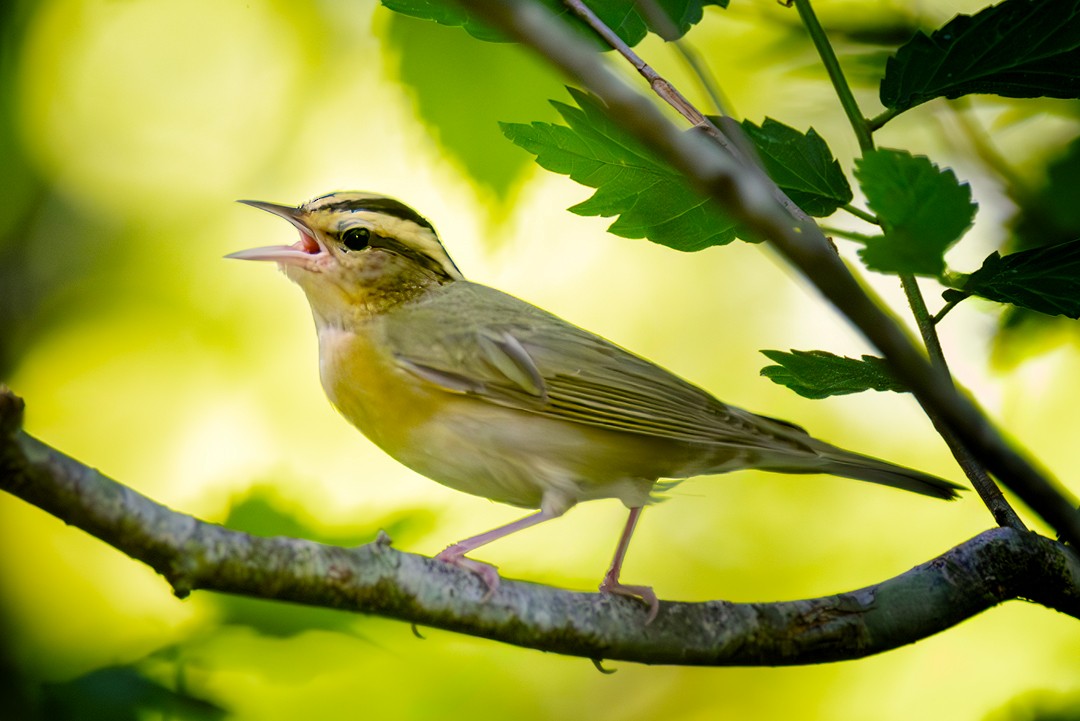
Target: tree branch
751,197
993,567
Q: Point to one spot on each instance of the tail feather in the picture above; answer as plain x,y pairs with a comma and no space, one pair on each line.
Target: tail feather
837,462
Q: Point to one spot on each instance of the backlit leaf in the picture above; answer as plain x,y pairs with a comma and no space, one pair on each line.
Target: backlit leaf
923,210
820,374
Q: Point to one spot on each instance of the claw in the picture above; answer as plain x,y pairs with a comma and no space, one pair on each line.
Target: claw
488,573
611,584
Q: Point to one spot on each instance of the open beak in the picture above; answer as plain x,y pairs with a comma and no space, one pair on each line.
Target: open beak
299,253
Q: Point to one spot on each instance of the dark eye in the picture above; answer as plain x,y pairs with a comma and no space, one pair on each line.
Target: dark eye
356,238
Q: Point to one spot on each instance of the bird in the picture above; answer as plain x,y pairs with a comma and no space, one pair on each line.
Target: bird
493,396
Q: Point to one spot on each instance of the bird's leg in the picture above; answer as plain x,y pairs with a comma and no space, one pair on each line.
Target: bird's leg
455,554
611,583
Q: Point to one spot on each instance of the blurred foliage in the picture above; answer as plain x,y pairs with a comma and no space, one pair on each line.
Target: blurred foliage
22,193
1040,706
463,116
121,693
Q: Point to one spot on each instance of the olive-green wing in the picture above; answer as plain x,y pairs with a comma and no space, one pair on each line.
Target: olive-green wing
471,339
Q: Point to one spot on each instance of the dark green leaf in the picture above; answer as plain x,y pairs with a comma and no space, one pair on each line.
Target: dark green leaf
1017,49
801,165
923,210
650,199
819,374
1046,280
622,17
454,100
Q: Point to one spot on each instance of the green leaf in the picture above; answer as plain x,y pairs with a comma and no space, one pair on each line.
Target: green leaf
801,165
819,374
650,199
923,210
623,18
1045,279
454,100
1017,49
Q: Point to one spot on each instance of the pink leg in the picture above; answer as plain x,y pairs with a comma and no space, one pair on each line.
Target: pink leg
455,554
611,583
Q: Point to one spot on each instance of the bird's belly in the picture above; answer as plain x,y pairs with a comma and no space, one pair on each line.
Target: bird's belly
471,445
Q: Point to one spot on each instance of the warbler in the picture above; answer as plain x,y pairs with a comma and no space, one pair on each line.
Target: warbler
493,396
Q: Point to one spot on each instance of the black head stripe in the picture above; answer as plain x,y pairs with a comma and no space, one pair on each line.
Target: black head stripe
424,261
389,206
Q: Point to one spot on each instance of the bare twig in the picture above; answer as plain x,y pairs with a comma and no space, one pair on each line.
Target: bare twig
659,85
375,578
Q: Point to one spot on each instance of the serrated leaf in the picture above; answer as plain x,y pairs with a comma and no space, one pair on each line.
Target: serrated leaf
1017,49
650,199
819,374
923,210
1046,279
623,18
802,165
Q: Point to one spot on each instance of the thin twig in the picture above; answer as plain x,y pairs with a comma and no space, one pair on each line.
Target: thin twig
988,491
660,23
660,86
701,71
861,238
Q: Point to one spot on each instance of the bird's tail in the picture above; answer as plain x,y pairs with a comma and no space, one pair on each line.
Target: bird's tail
838,462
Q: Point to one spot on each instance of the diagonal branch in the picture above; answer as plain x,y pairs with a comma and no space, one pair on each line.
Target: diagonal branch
749,195
993,567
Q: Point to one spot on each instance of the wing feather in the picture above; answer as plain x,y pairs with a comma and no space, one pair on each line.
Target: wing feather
516,355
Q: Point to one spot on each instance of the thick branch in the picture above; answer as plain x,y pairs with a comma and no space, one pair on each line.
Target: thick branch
995,566
748,194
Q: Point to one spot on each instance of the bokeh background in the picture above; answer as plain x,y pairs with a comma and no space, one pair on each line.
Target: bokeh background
130,126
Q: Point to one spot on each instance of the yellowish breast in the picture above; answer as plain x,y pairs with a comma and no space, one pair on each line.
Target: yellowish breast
362,381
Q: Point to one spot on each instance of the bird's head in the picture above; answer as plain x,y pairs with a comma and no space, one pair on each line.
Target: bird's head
358,253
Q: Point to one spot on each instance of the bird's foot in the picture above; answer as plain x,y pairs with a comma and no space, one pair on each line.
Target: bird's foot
488,573
611,584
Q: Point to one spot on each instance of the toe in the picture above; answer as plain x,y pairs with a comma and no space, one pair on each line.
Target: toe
643,593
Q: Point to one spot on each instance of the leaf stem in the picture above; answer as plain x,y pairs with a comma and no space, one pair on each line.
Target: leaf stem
832,66
861,214
988,491
878,121
845,234
946,308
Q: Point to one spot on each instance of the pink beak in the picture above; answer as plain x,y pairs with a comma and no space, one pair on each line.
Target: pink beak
299,253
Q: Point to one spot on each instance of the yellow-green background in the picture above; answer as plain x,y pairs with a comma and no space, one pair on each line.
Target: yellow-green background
130,126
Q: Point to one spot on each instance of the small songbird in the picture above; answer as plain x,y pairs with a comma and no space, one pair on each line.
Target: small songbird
490,395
